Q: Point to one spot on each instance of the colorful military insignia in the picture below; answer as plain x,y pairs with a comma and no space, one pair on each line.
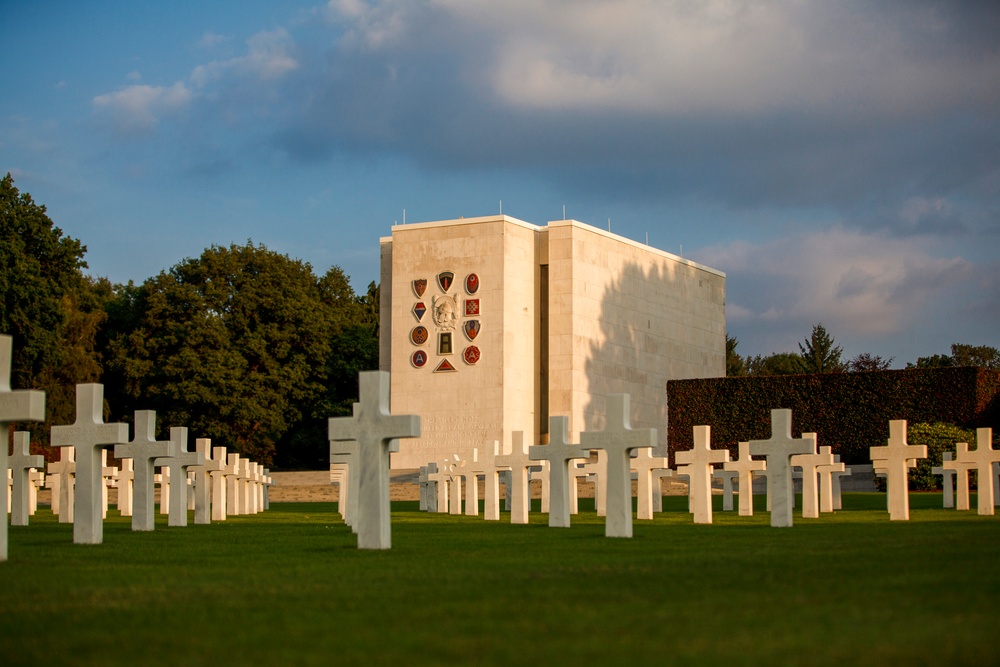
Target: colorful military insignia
471,307
471,354
419,308
472,283
471,328
418,358
445,367
445,279
420,286
418,335
444,343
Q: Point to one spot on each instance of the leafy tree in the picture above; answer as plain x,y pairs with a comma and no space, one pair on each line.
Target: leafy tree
982,356
934,361
779,363
868,362
234,344
49,306
39,268
819,354
735,365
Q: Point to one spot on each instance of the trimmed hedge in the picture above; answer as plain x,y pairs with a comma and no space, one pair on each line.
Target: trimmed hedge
849,411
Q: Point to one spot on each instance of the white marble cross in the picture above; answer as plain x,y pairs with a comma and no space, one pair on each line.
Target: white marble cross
126,482
835,478
345,453
778,450
438,476
109,478
618,439
142,451
25,405
810,464
163,479
829,479
540,473
649,470
340,472
699,461
377,433
947,480
234,463
89,434
472,485
21,461
727,477
455,469
894,458
62,475
959,465
218,476
424,485
746,466
177,461
598,476
488,468
558,453
982,458
519,462
36,480
202,479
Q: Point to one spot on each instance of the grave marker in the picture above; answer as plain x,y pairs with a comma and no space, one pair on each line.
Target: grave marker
699,462
519,462
63,472
377,433
558,453
810,463
646,466
778,451
829,479
23,405
894,458
89,434
618,440
177,461
982,459
21,462
218,476
142,452
490,470
727,477
745,466
202,479
126,482
345,453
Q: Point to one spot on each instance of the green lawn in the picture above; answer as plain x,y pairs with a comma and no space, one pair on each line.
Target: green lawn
289,587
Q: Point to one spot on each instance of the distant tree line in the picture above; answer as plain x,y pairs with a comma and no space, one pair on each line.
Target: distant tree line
820,354
242,344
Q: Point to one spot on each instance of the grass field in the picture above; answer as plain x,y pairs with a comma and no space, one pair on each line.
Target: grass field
289,587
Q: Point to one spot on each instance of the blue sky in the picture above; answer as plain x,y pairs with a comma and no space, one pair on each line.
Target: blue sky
839,161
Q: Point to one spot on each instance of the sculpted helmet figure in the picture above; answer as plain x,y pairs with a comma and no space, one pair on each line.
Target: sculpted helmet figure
445,312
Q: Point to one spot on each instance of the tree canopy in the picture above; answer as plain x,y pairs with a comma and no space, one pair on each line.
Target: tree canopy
237,344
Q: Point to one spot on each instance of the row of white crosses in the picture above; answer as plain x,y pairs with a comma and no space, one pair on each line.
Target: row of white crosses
79,478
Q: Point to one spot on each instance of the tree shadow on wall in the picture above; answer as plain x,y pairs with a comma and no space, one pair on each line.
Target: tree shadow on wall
656,324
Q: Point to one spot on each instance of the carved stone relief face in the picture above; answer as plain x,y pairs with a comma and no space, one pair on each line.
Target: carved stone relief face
445,312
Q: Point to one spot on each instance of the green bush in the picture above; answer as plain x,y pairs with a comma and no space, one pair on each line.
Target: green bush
939,438
849,411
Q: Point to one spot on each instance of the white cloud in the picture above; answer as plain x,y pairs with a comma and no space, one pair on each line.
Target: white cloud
268,57
858,284
138,108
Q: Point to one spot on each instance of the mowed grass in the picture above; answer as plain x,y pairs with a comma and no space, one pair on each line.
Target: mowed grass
289,586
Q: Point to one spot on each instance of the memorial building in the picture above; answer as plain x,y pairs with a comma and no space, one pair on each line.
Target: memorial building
491,324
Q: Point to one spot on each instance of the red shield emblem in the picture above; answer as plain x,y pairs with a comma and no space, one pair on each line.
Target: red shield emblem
471,307
472,283
471,328
420,286
445,279
471,354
